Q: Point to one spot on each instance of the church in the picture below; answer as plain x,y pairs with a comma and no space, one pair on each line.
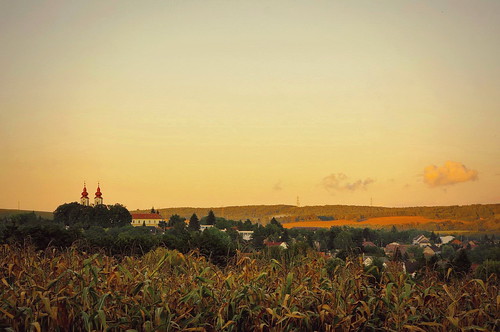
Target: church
84,200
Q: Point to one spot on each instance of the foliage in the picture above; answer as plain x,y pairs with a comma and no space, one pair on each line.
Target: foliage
165,290
175,219
488,268
485,252
194,223
210,220
482,214
216,245
75,214
461,263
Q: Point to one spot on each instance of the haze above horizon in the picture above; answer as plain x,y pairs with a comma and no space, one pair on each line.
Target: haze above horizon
220,103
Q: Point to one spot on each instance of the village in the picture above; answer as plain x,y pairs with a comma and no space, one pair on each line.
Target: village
409,253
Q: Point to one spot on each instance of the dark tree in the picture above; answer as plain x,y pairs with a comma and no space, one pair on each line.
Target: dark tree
174,219
65,213
162,224
194,223
119,216
461,263
285,237
216,245
101,216
210,220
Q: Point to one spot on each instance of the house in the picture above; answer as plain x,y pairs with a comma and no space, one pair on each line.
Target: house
368,244
146,219
456,242
446,239
428,252
276,244
391,248
246,235
470,245
203,227
421,241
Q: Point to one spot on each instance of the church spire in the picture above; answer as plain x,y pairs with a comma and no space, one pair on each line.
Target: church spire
84,200
98,195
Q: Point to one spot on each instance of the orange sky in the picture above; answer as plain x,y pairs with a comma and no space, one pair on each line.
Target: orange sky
212,103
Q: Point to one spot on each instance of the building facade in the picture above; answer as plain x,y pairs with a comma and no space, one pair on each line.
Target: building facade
146,219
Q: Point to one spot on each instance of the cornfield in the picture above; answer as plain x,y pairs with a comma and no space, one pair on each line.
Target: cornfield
165,290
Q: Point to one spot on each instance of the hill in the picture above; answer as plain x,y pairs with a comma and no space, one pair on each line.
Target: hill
406,222
477,216
12,212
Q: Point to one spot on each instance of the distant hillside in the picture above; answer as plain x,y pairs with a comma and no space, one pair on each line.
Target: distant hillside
289,213
12,212
407,222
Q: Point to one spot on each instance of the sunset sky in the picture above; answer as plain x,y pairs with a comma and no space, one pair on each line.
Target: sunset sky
216,103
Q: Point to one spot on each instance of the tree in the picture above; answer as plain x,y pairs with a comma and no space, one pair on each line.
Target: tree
447,251
174,219
275,222
119,216
461,263
216,245
162,224
194,223
367,234
343,241
210,220
63,213
101,216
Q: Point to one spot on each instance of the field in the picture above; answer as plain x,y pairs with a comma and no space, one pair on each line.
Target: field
167,291
401,222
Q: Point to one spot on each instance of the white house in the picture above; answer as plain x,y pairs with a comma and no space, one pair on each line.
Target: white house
446,239
203,227
421,241
148,219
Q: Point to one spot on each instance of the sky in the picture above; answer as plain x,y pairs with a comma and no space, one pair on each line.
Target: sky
218,103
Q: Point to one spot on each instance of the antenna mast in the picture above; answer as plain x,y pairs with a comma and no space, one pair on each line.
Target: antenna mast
298,202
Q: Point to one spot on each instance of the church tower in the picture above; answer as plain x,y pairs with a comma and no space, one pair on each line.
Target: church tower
98,196
84,200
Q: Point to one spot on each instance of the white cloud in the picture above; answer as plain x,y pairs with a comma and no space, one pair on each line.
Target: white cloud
340,182
450,173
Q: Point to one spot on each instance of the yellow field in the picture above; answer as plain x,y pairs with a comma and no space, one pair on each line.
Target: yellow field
408,221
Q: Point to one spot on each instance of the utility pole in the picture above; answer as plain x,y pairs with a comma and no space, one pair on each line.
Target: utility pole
298,202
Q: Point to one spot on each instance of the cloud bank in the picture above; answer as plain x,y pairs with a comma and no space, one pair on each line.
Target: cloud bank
339,182
450,173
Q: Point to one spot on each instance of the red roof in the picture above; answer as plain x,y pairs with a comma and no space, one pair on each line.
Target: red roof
98,192
146,216
84,192
368,244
